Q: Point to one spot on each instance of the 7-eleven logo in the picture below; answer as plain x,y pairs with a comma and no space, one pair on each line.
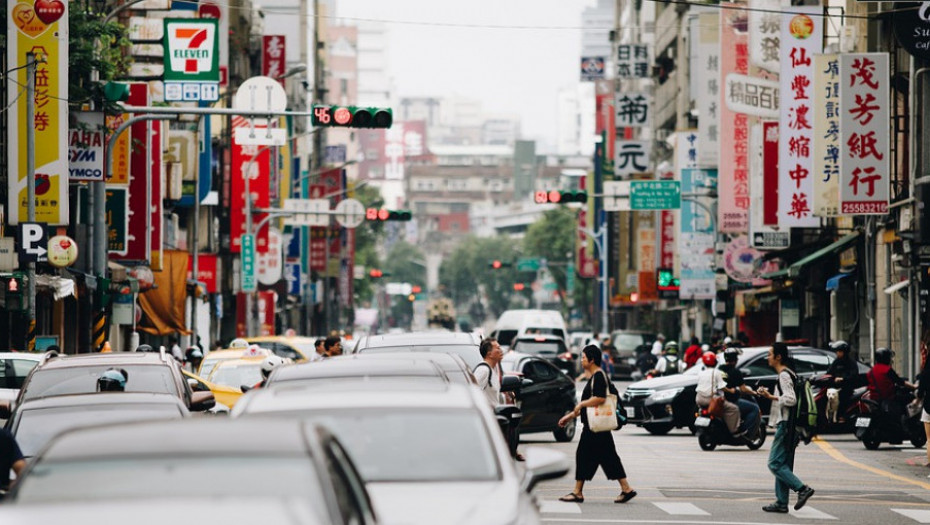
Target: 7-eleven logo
190,47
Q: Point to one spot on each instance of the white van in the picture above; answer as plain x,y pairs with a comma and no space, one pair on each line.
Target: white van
517,323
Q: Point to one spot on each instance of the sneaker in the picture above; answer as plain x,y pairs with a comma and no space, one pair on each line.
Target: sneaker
775,507
803,495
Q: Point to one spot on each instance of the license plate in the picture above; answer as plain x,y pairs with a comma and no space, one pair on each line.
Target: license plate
630,412
863,421
702,422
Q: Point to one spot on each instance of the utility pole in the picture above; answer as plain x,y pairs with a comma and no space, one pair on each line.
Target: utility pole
319,92
31,190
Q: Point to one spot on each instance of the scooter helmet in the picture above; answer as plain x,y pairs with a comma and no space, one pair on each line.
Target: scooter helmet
709,359
113,380
883,356
837,346
671,347
144,348
731,354
239,343
270,363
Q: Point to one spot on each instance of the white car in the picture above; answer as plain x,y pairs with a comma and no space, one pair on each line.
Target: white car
428,452
14,367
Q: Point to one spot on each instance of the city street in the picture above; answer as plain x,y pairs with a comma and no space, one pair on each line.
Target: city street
679,483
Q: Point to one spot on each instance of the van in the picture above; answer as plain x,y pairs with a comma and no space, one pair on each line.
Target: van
517,323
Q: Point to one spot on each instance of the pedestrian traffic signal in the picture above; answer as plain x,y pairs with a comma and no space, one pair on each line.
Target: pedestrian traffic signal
352,117
560,196
667,284
519,287
378,214
15,288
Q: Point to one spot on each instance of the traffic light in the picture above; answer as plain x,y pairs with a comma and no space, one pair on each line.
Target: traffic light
416,289
116,91
375,274
667,284
15,293
352,117
378,214
560,196
497,264
519,287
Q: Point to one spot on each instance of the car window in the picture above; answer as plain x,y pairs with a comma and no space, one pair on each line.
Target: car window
237,375
627,341
548,348
83,380
538,371
505,337
350,494
759,367
468,353
21,369
286,352
810,362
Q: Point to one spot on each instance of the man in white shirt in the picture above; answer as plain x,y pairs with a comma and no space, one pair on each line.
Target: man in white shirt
658,345
487,372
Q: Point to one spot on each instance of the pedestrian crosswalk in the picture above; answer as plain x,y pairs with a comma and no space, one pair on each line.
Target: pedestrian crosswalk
712,511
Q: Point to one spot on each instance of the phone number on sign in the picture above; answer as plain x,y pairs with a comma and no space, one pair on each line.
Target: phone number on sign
864,207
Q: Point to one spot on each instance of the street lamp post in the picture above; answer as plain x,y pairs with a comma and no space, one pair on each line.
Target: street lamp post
600,242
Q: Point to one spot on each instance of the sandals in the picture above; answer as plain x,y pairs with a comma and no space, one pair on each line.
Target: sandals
571,497
625,496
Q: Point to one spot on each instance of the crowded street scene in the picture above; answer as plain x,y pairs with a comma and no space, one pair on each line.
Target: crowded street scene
409,262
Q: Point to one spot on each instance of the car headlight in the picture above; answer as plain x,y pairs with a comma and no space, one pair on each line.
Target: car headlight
665,396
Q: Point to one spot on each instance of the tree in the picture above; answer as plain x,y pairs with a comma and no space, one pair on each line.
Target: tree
553,238
109,59
405,263
469,280
367,236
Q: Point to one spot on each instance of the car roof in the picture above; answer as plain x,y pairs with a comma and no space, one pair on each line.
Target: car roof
22,355
351,366
444,360
432,338
100,398
109,358
538,337
358,394
232,353
512,356
196,437
282,338
240,361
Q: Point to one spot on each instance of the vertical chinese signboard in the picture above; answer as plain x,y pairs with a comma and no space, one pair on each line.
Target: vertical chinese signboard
42,28
826,147
633,61
273,57
696,240
864,100
633,110
708,96
733,191
801,39
253,162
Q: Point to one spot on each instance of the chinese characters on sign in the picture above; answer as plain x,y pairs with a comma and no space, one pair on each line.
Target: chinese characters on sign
273,57
632,110
632,156
801,39
826,161
864,116
733,191
633,61
764,34
750,95
708,96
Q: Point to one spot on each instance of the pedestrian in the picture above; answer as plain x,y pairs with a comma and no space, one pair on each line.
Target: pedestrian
11,458
176,349
845,372
595,449
781,456
320,350
489,378
923,388
607,357
332,346
658,345
693,352
194,358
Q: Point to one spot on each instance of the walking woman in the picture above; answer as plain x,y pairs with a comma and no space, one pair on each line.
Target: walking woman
595,449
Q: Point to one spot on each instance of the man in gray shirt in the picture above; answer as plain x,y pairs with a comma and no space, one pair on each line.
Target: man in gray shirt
487,373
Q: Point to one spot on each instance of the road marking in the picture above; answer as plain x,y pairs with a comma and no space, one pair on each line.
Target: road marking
920,516
559,507
663,522
837,455
680,509
811,514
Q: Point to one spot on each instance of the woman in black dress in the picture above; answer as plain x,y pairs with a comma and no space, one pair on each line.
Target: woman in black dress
595,449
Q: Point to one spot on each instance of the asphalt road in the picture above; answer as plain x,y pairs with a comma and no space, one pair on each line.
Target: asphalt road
678,483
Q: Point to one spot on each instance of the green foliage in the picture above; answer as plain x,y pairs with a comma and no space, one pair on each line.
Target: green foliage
466,274
405,263
109,59
367,237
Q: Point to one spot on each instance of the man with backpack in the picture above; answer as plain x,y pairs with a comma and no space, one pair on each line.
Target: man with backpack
487,374
783,418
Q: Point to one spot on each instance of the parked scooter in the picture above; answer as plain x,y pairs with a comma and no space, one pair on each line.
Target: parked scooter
875,426
830,418
713,431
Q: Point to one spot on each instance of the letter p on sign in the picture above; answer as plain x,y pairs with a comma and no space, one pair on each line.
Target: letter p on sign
33,242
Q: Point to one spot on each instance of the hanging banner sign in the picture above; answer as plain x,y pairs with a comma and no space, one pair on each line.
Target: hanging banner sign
864,117
764,34
633,61
708,96
751,95
733,190
826,147
85,147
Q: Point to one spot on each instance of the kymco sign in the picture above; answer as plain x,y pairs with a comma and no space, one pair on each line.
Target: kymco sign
191,50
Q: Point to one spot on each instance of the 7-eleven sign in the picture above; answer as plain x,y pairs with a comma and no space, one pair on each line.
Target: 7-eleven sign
191,50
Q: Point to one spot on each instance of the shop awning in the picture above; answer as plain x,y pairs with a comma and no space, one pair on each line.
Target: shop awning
163,305
795,268
60,287
834,282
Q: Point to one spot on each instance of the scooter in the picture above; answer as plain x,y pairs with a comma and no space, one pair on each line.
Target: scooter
876,426
713,431
827,421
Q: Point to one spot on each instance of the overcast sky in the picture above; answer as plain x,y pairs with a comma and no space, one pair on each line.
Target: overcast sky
441,48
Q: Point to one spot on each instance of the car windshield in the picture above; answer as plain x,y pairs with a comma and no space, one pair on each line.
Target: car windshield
628,341
237,375
468,353
208,364
83,380
547,348
278,475
38,426
451,445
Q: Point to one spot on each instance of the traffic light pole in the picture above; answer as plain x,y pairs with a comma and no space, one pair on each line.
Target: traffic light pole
600,242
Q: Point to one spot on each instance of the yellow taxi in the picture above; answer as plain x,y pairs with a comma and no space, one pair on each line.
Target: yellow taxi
224,395
296,348
215,357
236,373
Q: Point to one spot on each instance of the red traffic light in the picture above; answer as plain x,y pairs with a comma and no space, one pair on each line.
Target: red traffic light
555,196
12,286
342,116
496,265
416,289
519,287
375,273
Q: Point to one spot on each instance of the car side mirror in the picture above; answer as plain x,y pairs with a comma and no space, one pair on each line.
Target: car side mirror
202,401
511,384
543,464
526,382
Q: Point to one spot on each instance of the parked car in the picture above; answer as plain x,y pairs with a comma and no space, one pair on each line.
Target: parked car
155,372
428,453
546,395
14,368
296,472
662,403
35,422
549,347
627,345
452,364
350,368
464,344
296,348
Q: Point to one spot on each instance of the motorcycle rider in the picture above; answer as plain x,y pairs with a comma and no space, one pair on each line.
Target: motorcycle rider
710,382
883,382
668,363
748,409
844,372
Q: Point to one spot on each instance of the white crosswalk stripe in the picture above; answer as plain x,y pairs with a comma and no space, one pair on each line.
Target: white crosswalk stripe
920,516
811,513
559,507
681,509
